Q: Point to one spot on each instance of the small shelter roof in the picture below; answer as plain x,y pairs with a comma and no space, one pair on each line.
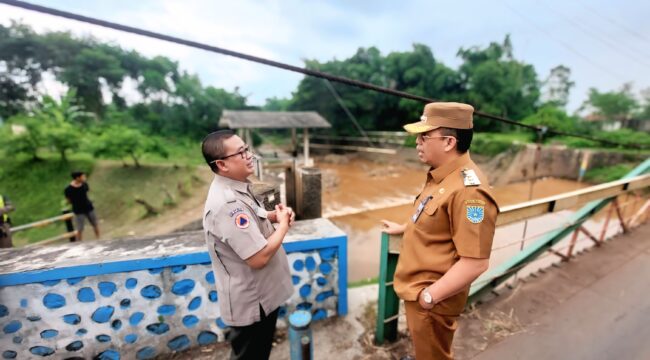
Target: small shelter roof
247,119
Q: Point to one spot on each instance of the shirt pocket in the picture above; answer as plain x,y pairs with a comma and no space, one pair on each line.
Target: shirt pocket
427,220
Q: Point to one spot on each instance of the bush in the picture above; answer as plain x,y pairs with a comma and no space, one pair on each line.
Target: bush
489,144
608,173
492,144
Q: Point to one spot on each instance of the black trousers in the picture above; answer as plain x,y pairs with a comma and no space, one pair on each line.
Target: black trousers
253,342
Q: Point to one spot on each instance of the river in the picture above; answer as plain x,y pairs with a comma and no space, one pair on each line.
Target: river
358,194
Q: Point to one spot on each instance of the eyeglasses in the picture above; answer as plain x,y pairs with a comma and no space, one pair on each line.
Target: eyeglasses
426,137
243,153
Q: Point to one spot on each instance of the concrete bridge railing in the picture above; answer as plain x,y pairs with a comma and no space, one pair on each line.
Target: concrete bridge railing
140,298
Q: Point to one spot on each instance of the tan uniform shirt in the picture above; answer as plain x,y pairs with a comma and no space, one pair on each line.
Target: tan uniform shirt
451,218
236,228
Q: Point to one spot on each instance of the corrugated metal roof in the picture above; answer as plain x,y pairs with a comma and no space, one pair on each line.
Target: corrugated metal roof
237,119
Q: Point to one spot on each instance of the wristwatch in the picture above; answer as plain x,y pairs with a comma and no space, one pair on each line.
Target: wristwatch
427,297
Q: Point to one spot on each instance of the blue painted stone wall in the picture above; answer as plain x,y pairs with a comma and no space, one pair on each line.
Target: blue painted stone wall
145,313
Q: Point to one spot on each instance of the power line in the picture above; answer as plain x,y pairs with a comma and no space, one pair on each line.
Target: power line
606,42
611,20
566,45
305,71
347,111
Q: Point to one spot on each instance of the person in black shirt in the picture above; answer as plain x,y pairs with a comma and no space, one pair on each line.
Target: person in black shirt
77,195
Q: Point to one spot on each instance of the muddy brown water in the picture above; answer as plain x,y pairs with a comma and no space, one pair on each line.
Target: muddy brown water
358,194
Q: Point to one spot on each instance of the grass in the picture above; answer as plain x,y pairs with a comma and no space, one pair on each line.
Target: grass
181,152
36,190
608,173
364,282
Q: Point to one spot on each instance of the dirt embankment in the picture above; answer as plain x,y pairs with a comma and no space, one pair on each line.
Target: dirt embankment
550,161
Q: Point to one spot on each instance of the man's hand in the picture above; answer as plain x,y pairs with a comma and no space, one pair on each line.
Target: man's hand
392,228
273,217
423,304
283,214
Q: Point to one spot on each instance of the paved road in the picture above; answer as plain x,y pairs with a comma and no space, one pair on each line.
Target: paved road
607,318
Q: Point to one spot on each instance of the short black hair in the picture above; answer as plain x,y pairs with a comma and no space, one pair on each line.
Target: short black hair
76,174
213,149
463,138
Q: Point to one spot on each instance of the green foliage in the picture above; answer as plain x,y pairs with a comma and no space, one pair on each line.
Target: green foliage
626,136
608,173
576,142
496,83
415,71
257,138
62,136
552,117
174,104
491,144
27,139
613,105
621,136
488,144
277,104
118,141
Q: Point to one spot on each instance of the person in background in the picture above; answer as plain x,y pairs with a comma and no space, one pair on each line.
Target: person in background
5,221
77,195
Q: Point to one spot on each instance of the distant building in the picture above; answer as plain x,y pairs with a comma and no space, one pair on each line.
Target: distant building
611,125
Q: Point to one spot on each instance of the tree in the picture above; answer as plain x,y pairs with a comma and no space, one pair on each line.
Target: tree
120,142
90,70
277,104
60,122
552,117
644,114
62,136
558,86
414,71
613,105
496,83
27,140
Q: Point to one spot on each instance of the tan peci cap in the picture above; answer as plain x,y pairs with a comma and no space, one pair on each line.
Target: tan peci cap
443,114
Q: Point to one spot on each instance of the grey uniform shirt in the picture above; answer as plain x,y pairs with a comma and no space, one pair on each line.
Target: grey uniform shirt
236,228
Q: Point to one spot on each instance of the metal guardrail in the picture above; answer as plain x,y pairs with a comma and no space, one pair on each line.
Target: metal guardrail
67,218
595,197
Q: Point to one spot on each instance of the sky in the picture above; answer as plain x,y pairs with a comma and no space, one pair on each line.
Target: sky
604,43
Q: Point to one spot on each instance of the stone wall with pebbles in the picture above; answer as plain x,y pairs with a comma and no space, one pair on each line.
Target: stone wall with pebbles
139,308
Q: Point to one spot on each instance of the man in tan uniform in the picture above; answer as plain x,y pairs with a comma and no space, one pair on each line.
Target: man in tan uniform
448,239
249,263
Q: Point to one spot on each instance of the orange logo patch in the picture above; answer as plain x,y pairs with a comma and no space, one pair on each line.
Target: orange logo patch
242,221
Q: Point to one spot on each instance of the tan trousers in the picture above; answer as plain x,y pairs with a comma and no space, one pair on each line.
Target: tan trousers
432,334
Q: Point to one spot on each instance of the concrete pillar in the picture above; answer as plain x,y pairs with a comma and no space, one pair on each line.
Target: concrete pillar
290,179
294,143
309,194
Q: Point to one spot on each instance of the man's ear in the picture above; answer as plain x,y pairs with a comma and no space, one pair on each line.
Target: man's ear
221,165
452,142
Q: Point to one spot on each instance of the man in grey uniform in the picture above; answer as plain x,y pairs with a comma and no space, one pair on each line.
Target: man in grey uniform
250,265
